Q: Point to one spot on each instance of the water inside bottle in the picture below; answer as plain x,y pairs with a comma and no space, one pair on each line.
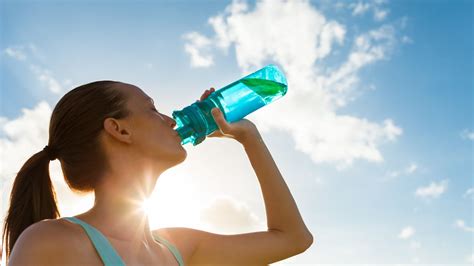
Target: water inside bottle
248,95
268,90
236,100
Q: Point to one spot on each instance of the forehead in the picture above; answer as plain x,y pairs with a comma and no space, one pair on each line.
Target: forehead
135,94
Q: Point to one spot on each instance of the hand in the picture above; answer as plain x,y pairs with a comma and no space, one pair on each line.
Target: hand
238,130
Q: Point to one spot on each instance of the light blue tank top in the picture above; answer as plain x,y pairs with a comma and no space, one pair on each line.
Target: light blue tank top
107,253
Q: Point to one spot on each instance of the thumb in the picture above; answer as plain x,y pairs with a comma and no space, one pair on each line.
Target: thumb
219,118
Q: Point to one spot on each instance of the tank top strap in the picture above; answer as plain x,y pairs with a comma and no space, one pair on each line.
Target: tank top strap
106,251
171,247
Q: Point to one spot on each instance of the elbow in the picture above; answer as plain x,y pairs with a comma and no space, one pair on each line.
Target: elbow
299,242
303,241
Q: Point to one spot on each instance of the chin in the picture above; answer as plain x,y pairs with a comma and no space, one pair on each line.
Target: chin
179,156
184,154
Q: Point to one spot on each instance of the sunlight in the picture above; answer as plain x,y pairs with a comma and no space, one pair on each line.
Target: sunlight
146,207
174,203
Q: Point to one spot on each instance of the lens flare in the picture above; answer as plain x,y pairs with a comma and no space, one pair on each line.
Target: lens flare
146,207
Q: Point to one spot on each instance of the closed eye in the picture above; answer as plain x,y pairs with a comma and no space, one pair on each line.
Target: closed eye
154,109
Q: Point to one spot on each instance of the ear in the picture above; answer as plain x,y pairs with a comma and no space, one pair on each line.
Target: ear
117,130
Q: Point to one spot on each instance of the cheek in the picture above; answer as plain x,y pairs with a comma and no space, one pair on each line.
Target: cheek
160,139
157,141
168,150
154,126
149,134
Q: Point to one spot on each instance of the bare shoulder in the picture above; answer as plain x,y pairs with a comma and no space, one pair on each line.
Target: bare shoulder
46,242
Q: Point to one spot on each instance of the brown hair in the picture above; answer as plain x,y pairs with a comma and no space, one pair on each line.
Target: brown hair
74,129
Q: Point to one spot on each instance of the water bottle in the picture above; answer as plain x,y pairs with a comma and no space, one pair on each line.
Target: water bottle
235,100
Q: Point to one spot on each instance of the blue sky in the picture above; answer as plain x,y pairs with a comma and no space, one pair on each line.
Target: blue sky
374,138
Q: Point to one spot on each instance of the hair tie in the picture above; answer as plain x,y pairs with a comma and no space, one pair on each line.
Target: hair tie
52,153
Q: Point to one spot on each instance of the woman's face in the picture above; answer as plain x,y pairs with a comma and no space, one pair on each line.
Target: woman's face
152,132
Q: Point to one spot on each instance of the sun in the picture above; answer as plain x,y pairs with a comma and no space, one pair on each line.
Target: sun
146,207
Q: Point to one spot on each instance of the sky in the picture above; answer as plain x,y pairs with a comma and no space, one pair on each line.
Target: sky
374,137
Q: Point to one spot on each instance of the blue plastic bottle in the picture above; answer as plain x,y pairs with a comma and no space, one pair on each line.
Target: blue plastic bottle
235,100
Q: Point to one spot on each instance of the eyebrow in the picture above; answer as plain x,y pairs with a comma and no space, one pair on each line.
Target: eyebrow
150,99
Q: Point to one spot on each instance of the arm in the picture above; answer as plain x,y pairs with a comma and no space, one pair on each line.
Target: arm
286,235
282,212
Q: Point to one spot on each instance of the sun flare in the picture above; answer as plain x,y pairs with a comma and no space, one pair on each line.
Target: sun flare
146,207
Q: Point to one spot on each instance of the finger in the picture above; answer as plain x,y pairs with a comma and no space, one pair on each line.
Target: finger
220,120
208,92
205,94
216,133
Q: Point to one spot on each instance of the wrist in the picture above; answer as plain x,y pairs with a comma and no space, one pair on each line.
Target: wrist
250,137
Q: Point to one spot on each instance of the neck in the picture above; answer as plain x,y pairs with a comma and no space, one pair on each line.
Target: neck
118,211
122,216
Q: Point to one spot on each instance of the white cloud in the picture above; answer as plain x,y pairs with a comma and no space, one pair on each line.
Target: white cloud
412,168
15,52
360,8
195,46
304,28
380,14
3,121
433,190
391,175
467,134
24,133
462,225
316,90
339,5
23,52
45,76
406,39
34,52
469,193
470,258
67,82
407,232
228,215
28,53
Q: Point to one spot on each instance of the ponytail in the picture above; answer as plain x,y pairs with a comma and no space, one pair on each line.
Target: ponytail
32,198
74,137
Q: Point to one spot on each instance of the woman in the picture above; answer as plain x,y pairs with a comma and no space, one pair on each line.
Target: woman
111,140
